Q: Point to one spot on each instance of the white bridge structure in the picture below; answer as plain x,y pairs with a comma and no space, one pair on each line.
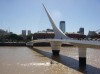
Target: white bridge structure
60,38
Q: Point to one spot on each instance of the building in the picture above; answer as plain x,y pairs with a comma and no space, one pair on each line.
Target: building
93,35
29,32
3,32
76,35
81,30
23,32
50,35
43,35
62,26
49,30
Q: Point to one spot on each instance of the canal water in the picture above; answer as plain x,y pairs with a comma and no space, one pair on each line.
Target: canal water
39,60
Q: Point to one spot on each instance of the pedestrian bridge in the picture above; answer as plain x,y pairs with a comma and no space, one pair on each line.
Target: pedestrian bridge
60,38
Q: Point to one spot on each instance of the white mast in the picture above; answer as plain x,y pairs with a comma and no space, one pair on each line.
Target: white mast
58,33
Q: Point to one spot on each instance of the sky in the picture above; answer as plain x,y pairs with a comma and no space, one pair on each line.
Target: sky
18,15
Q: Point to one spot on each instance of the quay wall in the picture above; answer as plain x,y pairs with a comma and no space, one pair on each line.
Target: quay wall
24,44
12,44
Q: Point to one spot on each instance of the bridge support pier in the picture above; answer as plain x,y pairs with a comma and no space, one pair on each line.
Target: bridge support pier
82,58
55,52
55,48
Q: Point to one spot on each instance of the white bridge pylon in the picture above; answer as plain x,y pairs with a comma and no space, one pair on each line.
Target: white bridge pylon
58,33
60,38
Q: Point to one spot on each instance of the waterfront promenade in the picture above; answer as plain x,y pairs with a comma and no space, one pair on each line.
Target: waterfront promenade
39,60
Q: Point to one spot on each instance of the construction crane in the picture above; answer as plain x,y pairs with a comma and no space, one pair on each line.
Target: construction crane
97,31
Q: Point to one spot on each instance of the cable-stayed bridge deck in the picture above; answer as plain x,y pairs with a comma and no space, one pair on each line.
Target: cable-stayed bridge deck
82,43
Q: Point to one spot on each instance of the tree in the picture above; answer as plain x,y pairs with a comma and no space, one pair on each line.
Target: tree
29,37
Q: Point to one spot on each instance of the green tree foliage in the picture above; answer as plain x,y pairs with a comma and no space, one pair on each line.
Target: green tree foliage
11,38
29,37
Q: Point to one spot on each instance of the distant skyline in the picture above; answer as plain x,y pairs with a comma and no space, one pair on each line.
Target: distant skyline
18,15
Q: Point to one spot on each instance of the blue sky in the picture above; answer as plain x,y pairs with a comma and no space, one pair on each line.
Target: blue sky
18,15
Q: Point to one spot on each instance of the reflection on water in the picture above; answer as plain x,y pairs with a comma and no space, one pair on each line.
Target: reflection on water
22,60
36,64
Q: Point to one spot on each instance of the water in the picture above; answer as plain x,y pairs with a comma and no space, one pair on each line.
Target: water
23,60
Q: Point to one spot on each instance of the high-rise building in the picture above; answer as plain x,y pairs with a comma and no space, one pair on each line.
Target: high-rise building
23,32
81,30
62,26
29,32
